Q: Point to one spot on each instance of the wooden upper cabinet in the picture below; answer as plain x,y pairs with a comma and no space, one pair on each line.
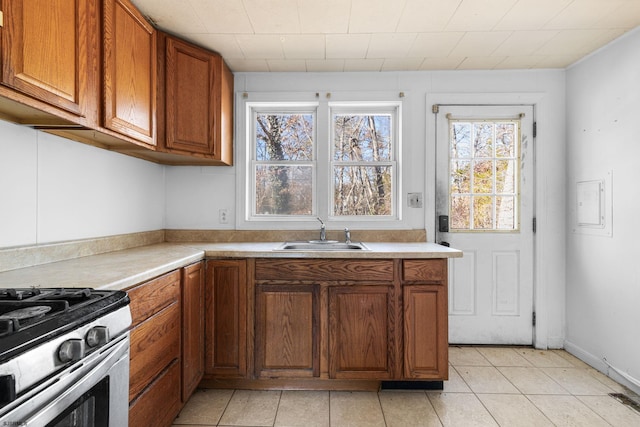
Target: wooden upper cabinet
198,101
46,53
129,72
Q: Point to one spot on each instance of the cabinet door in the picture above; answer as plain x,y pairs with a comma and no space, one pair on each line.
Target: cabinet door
287,331
45,50
226,318
129,72
192,328
190,97
361,332
425,332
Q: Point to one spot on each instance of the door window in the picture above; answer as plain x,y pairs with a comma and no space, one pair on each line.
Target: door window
483,175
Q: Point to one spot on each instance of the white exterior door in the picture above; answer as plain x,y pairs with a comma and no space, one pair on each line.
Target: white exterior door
485,195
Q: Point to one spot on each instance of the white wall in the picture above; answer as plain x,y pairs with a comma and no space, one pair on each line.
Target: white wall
603,272
53,189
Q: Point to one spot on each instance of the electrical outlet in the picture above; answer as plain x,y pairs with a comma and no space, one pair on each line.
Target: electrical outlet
414,200
223,216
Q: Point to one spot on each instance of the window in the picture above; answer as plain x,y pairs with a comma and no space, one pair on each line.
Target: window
483,173
283,167
333,160
362,165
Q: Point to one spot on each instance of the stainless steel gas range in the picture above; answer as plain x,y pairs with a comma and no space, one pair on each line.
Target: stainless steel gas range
64,357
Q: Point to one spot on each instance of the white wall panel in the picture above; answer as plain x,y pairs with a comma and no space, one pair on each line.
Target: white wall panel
603,273
18,188
54,190
86,192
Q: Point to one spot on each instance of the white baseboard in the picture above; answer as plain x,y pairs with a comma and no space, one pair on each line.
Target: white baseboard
599,364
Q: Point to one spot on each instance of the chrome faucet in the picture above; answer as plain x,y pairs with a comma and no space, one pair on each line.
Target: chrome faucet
323,230
347,236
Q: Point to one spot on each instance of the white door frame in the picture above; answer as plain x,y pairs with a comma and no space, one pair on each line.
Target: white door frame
540,299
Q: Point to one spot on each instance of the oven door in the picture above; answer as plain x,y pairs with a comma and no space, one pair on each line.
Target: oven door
93,392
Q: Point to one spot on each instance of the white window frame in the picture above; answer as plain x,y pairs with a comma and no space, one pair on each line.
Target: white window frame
247,103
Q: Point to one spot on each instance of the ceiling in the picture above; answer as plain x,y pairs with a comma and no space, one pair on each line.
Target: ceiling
395,35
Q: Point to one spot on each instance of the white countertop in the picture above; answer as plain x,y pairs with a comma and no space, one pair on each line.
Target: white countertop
112,270
126,268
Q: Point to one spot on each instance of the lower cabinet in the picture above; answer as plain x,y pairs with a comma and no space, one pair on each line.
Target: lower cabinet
226,319
361,333
154,370
425,300
287,331
272,322
192,328
167,345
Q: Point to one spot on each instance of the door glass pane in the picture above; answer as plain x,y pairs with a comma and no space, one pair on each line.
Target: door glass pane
460,212
483,175
483,139
483,213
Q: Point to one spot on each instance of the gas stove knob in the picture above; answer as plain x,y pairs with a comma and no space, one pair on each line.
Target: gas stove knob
98,335
71,350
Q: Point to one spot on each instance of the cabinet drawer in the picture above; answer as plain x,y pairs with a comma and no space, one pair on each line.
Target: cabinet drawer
324,269
151,297
154,344
430,270
160,402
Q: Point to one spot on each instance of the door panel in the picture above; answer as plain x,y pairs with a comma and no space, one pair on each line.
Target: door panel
485,187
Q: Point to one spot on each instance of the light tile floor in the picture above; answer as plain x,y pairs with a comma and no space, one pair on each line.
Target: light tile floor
488,386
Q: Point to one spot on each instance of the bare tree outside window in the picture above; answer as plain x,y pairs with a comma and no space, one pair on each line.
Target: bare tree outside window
283,171
341,168
362,168
484,175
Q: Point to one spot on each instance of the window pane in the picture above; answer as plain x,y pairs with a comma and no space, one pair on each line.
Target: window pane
460,212
284,190
461,140
460,176
505,176
482,213
483,143
362,137
483,176
505,140
362,190
284,137
505,213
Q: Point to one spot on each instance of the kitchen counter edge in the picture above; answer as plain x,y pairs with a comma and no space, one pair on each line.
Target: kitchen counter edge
121,270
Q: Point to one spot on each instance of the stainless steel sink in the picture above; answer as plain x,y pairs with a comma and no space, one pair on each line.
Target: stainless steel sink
322,245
